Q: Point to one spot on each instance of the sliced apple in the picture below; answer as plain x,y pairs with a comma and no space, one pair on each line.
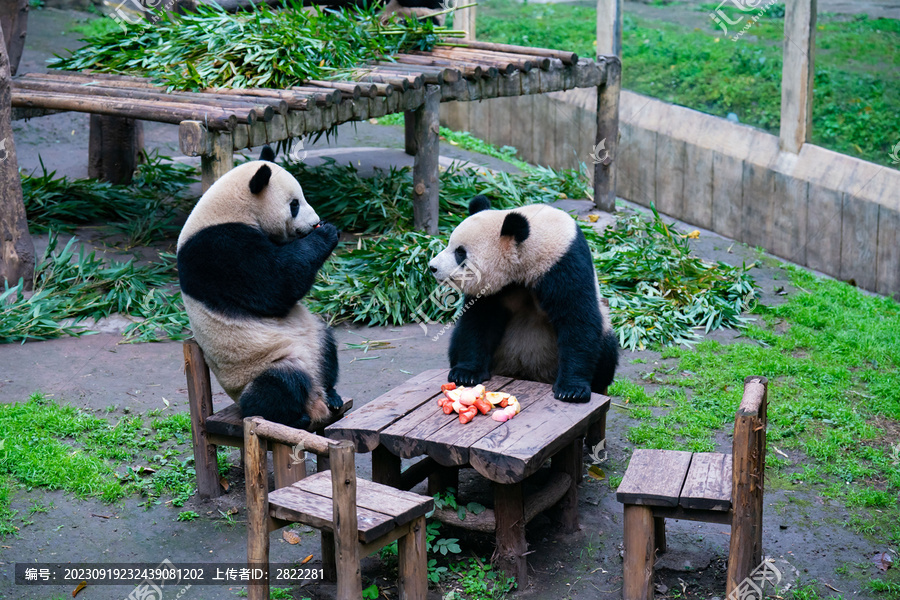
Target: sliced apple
467,396
453,395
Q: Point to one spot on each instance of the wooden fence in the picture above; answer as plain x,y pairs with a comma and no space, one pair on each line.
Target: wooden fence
818,208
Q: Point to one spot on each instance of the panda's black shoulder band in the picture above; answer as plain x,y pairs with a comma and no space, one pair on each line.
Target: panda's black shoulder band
260,179
515,225
478,204
267,154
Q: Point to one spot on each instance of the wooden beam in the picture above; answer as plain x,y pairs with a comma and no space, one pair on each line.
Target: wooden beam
797,74
425,167
257,485
639,553
220,158
200,402
605,165
609,27
346,533
464,19
509,511
16,246
14,23
114,148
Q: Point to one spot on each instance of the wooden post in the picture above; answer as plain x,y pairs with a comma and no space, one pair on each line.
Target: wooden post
385,467
346,533
607,140
748,472
409,131
609,27
16,247
219,161
200,402
659,534
425,168
464,19
14,23
287,471
797,74
413,562
639,557
568,461
114,148
257,485
509,510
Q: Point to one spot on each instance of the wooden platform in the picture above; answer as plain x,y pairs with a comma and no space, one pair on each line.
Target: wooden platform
407,422
671,478
216,122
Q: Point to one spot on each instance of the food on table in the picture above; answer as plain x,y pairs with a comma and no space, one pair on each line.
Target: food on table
469,401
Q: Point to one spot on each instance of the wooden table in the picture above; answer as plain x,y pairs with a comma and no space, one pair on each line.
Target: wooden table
406,422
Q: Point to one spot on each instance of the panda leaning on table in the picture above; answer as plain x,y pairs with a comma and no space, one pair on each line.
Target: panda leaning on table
534,307
247,255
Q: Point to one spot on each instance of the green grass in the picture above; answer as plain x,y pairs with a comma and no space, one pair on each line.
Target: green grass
857,81
50,446
832,357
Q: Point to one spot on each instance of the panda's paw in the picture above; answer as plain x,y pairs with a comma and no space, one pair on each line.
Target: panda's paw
572,392
329,234
304,422
333,400
463,376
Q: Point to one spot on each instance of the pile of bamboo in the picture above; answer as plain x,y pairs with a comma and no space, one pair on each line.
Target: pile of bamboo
223,109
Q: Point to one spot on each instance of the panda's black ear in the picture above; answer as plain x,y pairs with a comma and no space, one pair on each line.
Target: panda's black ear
267,154
260,180
516,226
478,204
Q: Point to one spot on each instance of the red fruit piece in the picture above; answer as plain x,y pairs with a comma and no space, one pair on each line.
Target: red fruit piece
448,386
483,406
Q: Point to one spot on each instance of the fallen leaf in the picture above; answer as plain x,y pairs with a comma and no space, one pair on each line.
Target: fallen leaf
166,402
290,536
80,587
883,561
145,470
596,472
306,560
232,511
694,235
224,483
593,218
780,452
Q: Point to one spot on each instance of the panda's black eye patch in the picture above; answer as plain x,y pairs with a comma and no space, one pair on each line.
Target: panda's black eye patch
460,254
295,208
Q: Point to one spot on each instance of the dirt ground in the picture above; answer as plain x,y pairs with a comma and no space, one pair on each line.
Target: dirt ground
801,529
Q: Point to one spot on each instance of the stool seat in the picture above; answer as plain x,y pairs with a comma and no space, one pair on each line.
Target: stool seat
698,480
380,508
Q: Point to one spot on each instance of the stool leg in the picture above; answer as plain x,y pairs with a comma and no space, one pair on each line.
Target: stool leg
659,534
329,565
639,556
413,565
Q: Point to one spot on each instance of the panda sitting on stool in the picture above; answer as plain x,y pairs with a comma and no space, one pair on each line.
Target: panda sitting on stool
534,303
247,255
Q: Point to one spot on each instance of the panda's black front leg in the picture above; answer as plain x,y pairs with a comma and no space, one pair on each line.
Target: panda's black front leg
304,257
567,294
329,369
474,340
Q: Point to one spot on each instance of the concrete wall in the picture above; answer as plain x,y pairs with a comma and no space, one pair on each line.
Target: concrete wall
818,208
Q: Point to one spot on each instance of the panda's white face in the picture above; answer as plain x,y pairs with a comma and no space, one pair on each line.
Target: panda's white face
477,257
281,210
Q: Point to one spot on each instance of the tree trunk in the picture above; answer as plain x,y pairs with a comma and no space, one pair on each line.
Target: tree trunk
16,247
14,23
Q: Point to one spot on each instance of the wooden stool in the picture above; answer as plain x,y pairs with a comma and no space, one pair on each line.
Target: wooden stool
700,486
226,428
353,522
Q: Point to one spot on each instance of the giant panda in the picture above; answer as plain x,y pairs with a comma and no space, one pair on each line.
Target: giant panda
533,308
247,254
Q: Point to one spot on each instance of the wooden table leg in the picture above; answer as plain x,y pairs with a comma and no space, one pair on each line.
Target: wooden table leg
659,534
568,461
385,467
639,556
509,510
443,478
596,432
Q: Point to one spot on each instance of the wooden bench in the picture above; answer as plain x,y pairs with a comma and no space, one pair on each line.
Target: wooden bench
226,428
700,486
356,518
